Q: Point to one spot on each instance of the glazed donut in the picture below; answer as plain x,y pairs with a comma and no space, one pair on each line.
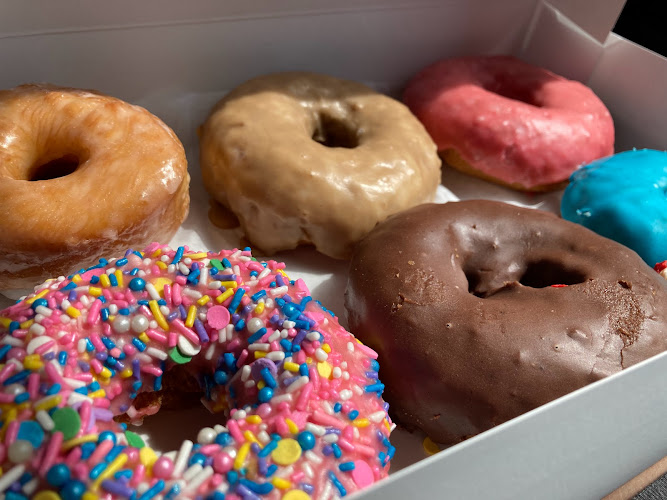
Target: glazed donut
82,174
509,122
623,198
481,311
308,158
306,416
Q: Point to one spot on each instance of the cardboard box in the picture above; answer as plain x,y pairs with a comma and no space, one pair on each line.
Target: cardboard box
178,58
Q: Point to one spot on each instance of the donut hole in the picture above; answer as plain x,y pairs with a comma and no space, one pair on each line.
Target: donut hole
525,95
484,283
545,273
333,132
475,279
167,429
61,166
179,397
180,389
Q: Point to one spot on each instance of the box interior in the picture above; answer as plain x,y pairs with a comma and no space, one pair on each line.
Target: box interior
177,59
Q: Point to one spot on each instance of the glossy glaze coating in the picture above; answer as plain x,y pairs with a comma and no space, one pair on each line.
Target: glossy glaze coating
301,412
508,121
466,306
307,158
129,184
623,197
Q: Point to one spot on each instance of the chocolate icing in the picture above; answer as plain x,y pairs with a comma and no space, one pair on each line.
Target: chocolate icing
458,301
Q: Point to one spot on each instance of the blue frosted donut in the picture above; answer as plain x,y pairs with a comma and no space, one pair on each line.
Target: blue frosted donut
623,197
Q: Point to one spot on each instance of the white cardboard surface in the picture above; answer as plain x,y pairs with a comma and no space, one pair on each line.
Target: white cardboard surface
177,60
634,79
581,446
215,49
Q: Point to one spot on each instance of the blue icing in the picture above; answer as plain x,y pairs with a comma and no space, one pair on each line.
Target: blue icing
623,197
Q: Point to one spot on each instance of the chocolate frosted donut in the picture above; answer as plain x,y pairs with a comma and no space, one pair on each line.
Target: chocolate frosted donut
483,311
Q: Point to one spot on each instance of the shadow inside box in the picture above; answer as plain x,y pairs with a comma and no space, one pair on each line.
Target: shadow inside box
410,448
209,225
467,187
9,297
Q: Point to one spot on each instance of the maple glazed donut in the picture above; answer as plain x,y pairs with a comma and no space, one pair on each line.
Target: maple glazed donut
305,414
309,158
490,310
509,122
82,175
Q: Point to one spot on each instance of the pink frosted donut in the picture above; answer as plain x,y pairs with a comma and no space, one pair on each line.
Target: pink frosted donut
510,122
298,395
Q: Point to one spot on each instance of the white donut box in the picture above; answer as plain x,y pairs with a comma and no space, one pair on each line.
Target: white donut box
177,58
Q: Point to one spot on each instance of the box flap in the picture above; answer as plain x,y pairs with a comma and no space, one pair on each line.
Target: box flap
596,17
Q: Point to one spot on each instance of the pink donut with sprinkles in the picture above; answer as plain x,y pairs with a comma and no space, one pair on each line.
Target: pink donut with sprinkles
510,122
302,414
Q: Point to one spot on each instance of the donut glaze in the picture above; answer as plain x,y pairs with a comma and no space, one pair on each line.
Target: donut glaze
82,175
623,197
482,311
661,267
510,122
298,395
308,158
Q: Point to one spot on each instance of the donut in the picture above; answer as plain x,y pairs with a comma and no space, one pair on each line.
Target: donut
481,311
509,122
294,155
661,267
82,174
623,198
298,395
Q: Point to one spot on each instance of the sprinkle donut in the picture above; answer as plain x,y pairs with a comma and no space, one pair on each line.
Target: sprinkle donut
509,122
303,158
82,176
300,395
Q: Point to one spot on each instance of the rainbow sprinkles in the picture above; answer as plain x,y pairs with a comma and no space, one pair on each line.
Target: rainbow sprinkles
301,399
